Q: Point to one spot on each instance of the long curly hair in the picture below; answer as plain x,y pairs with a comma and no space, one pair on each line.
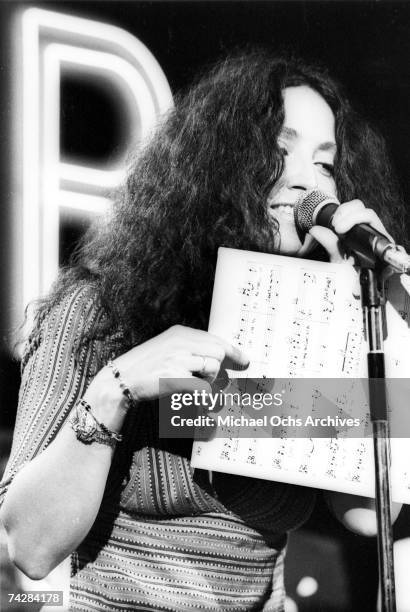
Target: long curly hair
201,182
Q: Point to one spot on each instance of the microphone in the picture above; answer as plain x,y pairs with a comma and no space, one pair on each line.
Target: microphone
318,208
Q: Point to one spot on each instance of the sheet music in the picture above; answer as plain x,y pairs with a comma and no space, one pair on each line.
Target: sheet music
303,319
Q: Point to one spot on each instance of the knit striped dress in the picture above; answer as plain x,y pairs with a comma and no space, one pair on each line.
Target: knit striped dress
165,538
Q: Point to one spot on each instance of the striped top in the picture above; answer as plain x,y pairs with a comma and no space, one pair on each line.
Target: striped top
165,538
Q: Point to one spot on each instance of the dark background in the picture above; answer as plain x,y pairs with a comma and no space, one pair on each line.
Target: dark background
364,44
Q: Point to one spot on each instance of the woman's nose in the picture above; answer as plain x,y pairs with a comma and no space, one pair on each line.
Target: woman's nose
300,173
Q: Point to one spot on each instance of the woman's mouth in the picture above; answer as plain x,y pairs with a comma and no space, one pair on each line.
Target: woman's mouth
281,209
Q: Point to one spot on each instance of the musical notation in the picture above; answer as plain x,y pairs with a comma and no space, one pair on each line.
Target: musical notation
303,319
258,291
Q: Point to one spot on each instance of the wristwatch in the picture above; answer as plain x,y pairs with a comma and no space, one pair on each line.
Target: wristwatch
88,429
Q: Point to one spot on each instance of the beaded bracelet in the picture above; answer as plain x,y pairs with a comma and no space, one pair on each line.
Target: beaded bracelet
124,388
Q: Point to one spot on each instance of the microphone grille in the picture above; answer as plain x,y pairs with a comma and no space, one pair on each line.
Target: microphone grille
307,206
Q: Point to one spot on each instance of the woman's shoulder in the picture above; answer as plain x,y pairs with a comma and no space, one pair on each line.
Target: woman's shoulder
72,318
79,299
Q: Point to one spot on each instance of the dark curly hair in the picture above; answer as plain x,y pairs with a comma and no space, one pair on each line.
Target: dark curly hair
202,182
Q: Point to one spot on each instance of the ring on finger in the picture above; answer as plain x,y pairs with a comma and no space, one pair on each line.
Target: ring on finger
203,369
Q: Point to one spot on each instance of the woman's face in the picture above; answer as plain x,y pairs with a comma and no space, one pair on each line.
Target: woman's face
308,142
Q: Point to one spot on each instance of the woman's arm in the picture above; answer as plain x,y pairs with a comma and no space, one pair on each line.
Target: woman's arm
53,500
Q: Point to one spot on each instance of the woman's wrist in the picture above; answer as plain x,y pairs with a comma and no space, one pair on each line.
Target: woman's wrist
108,403
88,429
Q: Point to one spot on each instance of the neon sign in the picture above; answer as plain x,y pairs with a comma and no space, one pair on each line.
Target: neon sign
53,45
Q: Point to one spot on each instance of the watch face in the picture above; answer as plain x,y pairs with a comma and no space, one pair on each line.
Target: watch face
86,426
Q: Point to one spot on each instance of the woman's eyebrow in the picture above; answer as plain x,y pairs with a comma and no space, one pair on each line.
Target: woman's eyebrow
292,134
327,146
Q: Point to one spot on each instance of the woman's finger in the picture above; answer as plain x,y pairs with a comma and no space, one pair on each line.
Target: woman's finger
217,348
204,343
353,213
203,365
329,241
188,384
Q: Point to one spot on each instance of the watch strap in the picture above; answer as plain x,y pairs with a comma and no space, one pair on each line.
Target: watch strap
88,429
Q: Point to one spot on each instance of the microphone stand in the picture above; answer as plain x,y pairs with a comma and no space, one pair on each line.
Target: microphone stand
372,301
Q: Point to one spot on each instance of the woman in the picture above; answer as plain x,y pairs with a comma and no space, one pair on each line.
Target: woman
225,168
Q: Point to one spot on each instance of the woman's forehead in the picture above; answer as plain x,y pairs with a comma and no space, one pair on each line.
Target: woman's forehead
307,114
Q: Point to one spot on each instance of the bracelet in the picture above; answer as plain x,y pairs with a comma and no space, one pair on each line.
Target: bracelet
88,429
124,388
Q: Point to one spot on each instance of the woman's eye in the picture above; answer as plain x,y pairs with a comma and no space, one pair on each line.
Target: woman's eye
283,150
326,169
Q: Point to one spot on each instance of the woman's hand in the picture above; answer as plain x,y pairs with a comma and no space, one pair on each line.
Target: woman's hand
188,358
346,216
